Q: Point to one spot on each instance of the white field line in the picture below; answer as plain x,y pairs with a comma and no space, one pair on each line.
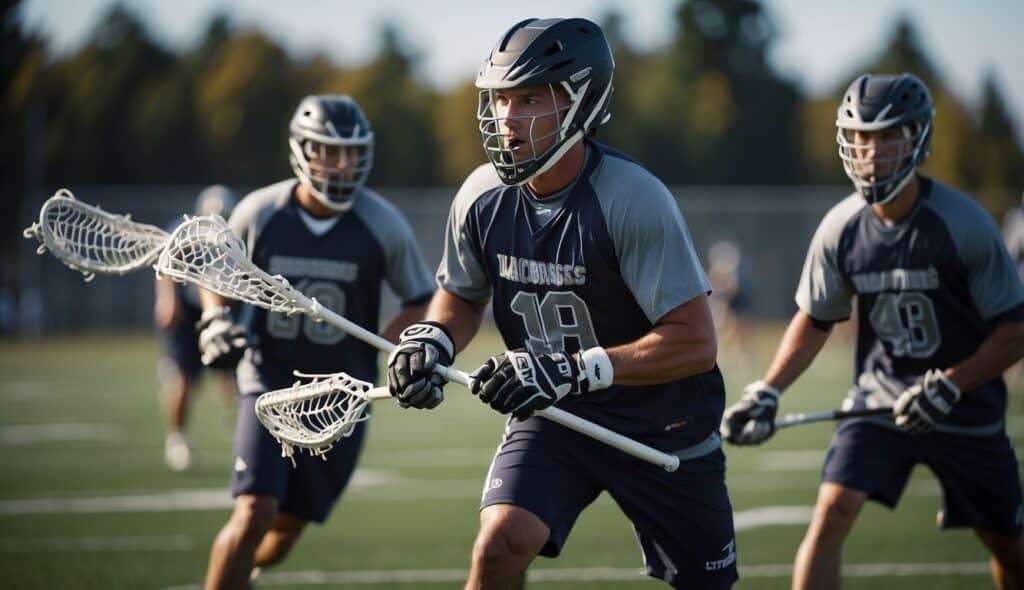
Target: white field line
596,574
29,434
86,544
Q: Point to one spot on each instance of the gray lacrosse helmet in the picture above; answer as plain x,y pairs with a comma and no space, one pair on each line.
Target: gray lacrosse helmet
877,103
572,54
216,199
331,146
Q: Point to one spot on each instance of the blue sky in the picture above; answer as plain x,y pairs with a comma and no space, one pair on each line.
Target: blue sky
821,41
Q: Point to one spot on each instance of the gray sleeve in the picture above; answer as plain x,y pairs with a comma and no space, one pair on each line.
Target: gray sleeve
991,275
461,271
824,293
255,210
657,259
406,270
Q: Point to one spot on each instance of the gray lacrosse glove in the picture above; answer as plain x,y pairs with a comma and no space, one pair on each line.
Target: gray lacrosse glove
926,403
519,382
751,421
222,342
412,379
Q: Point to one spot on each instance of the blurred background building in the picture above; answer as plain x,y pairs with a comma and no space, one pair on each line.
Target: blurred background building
136,105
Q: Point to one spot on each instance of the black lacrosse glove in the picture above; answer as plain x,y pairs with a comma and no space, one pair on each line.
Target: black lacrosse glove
222,342
925,404
519,382
751,421
412,379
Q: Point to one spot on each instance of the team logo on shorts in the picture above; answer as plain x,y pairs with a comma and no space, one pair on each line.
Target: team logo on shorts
240,464
720,564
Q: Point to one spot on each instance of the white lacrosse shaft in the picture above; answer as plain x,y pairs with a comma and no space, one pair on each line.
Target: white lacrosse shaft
203,250
92,241
798,419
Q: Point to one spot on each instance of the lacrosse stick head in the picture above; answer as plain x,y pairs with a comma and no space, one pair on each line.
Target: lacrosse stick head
92,241
204,251
312,415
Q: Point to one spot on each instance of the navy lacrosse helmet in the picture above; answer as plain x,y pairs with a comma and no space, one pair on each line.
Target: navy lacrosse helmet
571,54
874,103
331,145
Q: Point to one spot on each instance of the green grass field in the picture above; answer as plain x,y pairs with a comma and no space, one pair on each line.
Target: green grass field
86,502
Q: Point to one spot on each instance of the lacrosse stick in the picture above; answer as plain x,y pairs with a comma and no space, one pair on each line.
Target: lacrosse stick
797,419
204,251
92,241
314,414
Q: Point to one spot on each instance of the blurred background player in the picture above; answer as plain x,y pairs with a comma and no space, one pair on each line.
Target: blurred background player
1013,235
729,301
940,314
602,304
336,240
176,313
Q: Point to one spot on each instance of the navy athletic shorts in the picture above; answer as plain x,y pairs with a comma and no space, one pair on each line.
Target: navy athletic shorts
979,475
181,344
682,520
307,490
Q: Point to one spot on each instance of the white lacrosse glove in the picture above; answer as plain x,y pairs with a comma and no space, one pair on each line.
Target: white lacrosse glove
412,379
926,403
222,342
519,382
751,421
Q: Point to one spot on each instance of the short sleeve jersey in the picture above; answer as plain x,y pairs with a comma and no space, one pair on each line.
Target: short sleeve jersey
602,270
342,268
928,289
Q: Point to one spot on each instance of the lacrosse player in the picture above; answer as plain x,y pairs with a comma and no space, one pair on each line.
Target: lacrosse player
1013,235
176,313
940,314
336,240
602,303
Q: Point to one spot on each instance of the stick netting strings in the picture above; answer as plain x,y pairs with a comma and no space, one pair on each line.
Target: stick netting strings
91,240
203,250
315,414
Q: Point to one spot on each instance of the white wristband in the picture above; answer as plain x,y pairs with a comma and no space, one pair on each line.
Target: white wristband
598,367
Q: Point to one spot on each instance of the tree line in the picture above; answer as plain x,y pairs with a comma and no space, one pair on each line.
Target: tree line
705,108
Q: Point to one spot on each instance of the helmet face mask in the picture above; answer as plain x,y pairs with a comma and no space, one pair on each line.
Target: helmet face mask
566,59
520,142
331,149
884,130
881,163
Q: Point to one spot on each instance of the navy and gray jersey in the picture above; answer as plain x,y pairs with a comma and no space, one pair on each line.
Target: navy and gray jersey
929,290
342,268
597,265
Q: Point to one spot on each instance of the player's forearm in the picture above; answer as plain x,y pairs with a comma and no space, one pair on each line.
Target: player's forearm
800,345
683,343
401,321
209,299
1003,347
461,317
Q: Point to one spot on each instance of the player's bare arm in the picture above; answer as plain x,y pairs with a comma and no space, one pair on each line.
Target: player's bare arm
461,316
799,347
405,317
166,309
682,343
1001,349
